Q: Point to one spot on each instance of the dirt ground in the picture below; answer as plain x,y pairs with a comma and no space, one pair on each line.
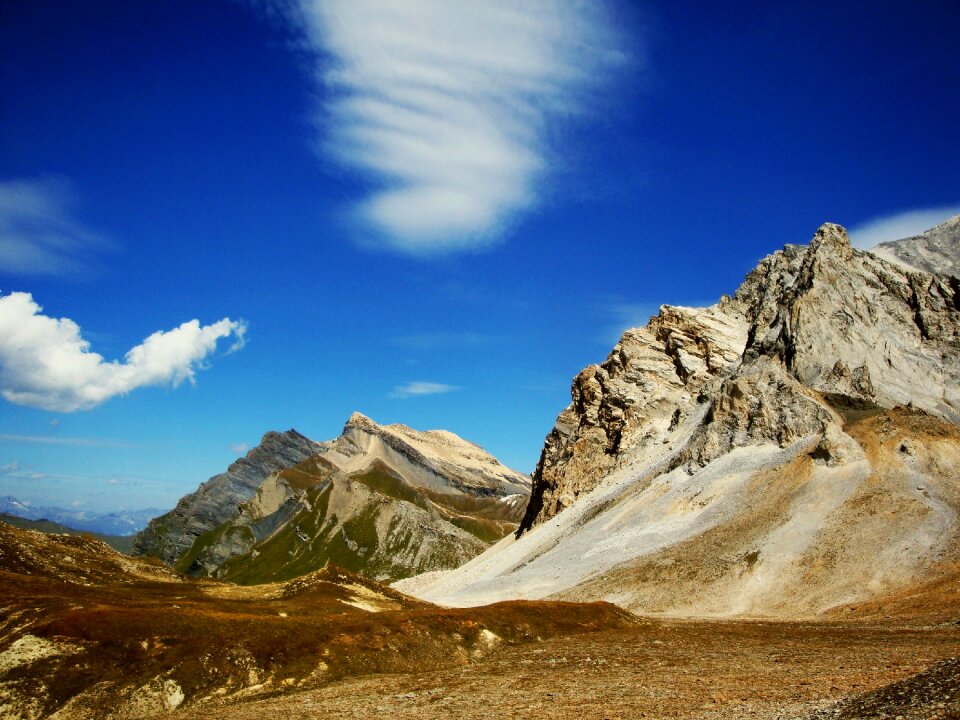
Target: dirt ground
661,670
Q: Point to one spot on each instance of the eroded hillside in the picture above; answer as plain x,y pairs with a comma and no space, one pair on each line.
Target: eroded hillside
788,450
86,632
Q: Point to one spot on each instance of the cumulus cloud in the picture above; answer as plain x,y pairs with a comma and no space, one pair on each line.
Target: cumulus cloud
46,363
899,225
420,387
447,105
39,233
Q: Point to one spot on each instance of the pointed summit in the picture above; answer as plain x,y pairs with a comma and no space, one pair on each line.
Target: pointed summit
359,421
830,237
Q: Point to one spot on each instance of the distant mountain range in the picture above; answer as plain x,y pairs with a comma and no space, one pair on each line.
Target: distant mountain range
122,522
384,501
120,543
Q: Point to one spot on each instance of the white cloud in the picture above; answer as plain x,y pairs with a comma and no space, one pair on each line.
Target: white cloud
9,468
899,225
239,449
46,363
447,105
39,234
420,387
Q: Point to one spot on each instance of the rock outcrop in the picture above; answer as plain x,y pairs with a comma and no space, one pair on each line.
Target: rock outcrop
793,448
385,501
824,318
169,536
935,251
654,378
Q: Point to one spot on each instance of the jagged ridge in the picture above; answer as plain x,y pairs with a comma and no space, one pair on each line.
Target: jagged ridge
385,501
215,501
778,478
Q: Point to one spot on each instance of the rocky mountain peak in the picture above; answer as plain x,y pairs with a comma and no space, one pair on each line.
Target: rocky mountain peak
796,446
830,237
436,458
359,421
170,535
822,318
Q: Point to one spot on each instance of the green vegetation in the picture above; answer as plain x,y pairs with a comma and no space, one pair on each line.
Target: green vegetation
316,536
211,537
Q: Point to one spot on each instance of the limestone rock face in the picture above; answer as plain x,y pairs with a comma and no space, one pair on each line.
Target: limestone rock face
170,535
387,501
843,322
810,326
437,458
793,449
654,378
935,251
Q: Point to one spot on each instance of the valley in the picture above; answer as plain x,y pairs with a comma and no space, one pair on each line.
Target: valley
748,510
666,669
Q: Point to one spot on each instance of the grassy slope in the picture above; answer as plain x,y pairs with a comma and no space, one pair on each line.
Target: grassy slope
354,541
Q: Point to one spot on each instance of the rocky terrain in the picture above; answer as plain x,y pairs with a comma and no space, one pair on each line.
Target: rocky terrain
88,633
169,536
790,449
385,501
662,669
935,251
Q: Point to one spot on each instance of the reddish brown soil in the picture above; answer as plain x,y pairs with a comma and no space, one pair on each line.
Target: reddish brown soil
301,650
122,629
661,670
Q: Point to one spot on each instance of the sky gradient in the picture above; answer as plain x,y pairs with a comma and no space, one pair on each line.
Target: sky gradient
264,215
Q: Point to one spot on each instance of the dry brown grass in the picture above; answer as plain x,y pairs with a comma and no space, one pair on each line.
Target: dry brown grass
217,640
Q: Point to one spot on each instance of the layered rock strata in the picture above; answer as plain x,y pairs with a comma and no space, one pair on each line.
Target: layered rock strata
823,321
169,536
798,452
385,501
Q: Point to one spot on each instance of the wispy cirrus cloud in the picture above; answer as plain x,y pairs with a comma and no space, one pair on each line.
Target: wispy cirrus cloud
46,363
897,226
421,387
448,106
40,233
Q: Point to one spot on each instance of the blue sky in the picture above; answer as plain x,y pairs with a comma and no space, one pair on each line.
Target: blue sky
433,213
